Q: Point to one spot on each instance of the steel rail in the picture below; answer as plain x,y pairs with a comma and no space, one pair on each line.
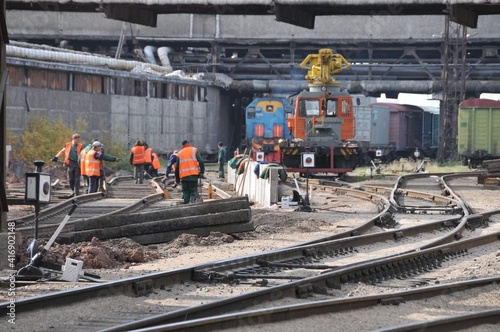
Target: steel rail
384,268
453,323
317,284
296,311
345,240
83,199
60,207
214,271
126,286
360,271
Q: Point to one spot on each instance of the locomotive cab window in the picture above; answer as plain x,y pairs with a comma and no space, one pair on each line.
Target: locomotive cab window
331,108
346,106
309,108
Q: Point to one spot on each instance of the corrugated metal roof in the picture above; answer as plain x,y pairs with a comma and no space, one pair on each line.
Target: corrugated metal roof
480,103
398,107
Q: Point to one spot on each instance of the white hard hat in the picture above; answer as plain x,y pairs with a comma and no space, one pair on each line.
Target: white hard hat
97,143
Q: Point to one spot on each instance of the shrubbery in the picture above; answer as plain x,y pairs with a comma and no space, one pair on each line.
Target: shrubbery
43,140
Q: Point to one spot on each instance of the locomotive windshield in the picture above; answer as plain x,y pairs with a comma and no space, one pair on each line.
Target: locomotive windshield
331,107
309,107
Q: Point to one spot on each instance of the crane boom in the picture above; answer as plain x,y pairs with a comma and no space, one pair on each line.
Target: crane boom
322,66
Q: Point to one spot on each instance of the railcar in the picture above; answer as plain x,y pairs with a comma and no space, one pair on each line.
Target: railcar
267,125
478,131
390,131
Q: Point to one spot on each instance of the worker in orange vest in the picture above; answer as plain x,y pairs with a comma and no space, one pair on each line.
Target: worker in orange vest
148,159
71,153
172,161
83,167
93,166
155,164
137,159
190,167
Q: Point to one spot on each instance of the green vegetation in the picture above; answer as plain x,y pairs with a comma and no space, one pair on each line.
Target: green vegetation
116,150
43,140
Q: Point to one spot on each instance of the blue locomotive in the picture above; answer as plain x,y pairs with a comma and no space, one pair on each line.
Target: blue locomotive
266,127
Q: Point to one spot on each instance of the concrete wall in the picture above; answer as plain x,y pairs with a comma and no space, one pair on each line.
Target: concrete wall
164,123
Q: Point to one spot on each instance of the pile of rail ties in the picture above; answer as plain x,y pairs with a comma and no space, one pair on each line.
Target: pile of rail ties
492,175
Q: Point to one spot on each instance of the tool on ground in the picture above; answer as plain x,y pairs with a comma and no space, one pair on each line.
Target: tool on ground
71,271
210,190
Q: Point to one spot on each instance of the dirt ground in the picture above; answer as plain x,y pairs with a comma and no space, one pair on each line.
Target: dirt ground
274,228
113,259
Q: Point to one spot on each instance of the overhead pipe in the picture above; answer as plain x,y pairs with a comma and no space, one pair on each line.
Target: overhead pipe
163,55
368,88
82,58
149,53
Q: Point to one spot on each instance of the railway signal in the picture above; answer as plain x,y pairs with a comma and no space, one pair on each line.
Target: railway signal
308,161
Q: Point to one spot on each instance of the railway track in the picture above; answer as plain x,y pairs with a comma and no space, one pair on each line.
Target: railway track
121,196
362,254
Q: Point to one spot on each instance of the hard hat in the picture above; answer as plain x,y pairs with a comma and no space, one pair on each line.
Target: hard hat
97,143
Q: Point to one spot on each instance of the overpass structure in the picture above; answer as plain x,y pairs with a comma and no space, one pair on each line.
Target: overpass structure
448,48
388,54
297,12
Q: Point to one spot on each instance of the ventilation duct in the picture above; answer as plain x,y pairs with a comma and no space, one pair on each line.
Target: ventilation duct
163,55
149,53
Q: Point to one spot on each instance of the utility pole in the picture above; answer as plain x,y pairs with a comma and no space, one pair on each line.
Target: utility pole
453,83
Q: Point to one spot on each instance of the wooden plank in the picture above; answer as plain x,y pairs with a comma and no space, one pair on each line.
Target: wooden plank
201,231
215,206
215,220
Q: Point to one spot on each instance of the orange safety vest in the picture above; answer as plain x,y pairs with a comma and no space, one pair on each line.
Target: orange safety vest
148,154
83,158
67,150
156,161
188,164
139,155
92,165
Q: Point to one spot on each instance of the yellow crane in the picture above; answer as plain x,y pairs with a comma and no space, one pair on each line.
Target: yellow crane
322,66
